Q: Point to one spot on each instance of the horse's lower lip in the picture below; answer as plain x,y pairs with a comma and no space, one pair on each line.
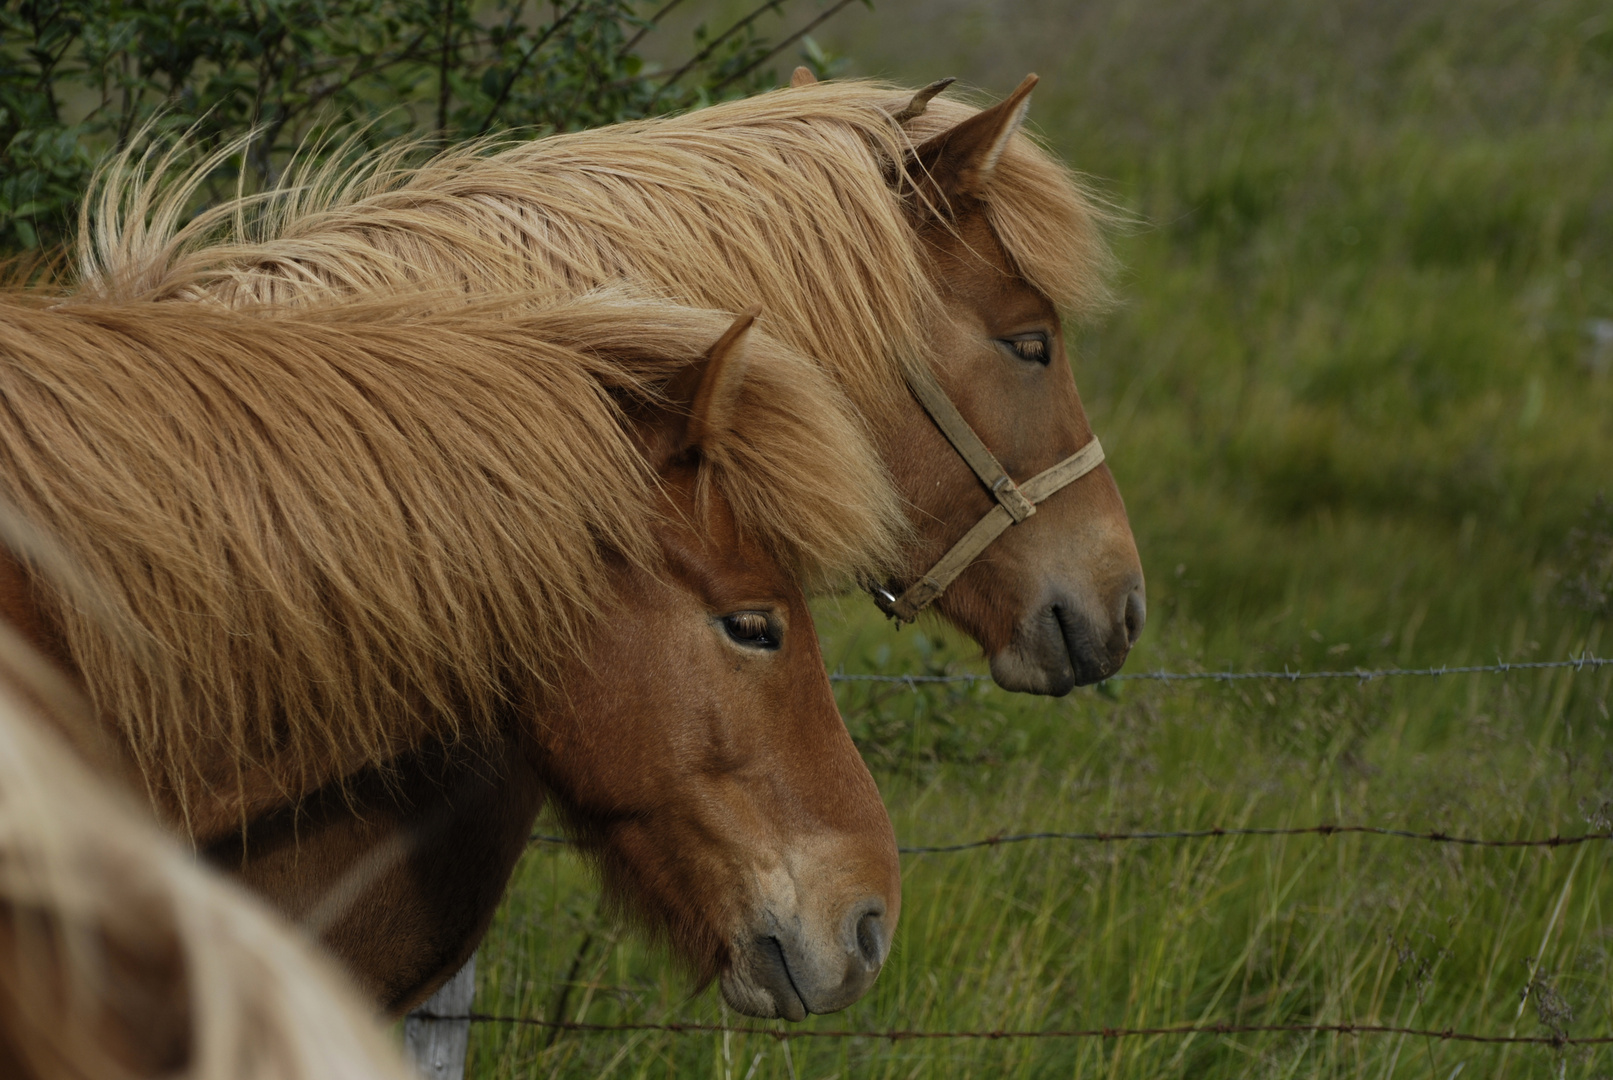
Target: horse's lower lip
799,1002
1073,638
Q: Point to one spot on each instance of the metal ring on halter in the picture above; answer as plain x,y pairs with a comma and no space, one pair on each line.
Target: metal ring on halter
1015,502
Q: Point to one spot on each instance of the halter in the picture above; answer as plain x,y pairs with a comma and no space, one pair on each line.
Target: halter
1015,502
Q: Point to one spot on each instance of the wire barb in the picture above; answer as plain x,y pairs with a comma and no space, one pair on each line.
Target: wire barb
1436,836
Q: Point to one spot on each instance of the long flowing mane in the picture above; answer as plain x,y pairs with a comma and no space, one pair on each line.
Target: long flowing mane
795,199
340,530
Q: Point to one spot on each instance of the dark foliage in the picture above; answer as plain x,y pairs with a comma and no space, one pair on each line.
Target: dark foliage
78,77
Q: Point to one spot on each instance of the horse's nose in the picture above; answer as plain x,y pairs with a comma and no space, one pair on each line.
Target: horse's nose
872,944
1136,614
842,972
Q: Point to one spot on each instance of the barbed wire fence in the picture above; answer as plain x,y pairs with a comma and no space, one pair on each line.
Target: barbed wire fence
901,1035
1433,836
458,1017
1576,663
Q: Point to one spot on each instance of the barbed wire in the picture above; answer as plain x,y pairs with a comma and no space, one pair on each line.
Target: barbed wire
1433,836
899,1035
1578,663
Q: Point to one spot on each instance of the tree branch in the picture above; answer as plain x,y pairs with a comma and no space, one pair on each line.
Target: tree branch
364,70
709,49
655,20
509,84
442,68
785,44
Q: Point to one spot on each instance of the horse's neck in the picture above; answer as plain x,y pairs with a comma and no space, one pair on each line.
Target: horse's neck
423,850
465,813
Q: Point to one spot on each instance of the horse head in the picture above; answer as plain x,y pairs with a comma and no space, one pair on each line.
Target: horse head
1057,600
889,237
700,757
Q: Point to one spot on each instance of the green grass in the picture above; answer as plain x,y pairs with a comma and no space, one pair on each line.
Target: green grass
1356,404
1081,935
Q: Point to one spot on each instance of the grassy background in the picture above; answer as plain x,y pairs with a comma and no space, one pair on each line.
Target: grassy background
1358,398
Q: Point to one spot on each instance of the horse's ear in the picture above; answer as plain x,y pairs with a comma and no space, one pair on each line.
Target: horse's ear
802,76
960,160
714,383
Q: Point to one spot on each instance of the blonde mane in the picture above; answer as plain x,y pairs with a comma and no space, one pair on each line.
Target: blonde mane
119,956
340,530
793,199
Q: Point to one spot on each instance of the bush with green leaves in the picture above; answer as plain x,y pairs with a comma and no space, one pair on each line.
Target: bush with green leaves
79,77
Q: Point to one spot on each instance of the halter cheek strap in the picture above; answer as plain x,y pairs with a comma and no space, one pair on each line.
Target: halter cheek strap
1015,502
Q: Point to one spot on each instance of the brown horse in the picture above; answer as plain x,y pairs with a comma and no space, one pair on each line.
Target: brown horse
897,244
554,551
119,955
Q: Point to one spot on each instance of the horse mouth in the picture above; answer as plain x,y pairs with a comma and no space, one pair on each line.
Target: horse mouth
1055,651
795,1007
809,961
1089,661
762,985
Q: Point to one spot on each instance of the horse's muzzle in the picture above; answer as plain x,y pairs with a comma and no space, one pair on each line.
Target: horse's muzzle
1065,644
785,970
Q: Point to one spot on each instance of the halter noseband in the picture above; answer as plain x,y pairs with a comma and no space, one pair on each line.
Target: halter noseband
1015,502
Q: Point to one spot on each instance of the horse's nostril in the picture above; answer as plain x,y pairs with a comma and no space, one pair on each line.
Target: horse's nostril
871,939
1136,615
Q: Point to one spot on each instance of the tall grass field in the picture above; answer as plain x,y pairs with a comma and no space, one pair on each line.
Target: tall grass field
1359,397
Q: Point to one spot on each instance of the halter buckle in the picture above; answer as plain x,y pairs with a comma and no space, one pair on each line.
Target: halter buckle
1007,493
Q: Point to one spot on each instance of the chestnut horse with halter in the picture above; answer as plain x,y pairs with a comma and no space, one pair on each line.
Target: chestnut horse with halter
380,562
921,251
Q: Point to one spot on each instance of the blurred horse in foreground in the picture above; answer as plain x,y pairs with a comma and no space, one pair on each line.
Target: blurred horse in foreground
120,957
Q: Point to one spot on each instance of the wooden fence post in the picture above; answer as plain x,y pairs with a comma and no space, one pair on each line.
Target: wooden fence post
438,1047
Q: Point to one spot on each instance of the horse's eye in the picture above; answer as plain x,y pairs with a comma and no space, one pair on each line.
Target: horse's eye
1031,347
751,628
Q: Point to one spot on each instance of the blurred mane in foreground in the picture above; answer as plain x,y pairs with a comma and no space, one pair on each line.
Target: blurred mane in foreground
120,957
